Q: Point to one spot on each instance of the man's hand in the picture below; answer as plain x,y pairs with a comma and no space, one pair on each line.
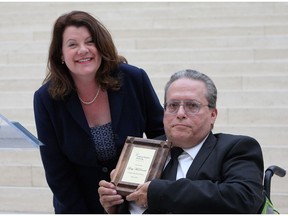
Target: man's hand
139,196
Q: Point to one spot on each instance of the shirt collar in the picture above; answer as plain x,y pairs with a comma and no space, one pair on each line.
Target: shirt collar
195,149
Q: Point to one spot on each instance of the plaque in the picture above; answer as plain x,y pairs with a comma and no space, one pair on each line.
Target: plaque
141,160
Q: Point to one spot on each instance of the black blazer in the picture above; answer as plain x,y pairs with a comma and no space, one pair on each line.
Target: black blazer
225,177
69,158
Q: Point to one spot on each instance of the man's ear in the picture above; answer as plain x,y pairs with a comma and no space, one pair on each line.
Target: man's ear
214,114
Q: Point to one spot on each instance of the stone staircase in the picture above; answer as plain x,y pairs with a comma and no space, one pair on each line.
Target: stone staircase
243,46
23,188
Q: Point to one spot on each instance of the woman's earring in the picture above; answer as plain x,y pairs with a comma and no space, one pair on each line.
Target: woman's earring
62,62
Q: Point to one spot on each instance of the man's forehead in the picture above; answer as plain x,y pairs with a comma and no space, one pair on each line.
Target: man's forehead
187,89
187,84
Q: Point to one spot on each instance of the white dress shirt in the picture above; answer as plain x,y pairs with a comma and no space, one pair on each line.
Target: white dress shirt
185,160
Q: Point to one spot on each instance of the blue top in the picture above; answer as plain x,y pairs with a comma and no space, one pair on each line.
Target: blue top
104,142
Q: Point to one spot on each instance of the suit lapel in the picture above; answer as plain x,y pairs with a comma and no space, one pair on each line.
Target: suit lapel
202,155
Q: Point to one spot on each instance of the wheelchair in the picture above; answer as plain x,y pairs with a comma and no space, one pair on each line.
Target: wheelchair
268,207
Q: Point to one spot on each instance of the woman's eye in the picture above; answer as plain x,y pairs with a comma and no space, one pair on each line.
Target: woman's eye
72,45
90,43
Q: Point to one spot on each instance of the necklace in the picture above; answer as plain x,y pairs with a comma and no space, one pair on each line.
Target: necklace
90,102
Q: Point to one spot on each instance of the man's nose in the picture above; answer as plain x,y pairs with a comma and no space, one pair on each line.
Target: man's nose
181,113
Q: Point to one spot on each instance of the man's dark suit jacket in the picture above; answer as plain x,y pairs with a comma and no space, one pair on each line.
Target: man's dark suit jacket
225,177
69,157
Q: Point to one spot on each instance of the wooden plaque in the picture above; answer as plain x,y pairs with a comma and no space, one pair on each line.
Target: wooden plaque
141,160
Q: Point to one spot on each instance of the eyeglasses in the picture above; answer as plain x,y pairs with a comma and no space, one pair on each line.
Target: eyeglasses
190,106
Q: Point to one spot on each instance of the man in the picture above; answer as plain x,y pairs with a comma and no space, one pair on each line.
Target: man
217,173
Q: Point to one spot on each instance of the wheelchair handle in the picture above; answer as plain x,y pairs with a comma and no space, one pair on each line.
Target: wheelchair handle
270,171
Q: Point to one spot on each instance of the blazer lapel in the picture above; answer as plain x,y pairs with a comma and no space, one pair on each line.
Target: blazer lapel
116,103
74,107
202,155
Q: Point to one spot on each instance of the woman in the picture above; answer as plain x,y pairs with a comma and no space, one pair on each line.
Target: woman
90,101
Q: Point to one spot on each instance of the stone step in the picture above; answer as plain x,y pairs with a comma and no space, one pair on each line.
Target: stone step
206,9
23,187
126,37
226,122
16,98
23,168
22,175
42,33
16,71
201,32
226,98
23,115
276,155
16,156
156,69
201,27
267,135
26,200
253,116
29,191
280,201
237,82
171,43
23,57
148,11
39,200
245,98
186,41
214,68
205,55
163,55
226,115
277,137
252,98
24,84
24,46
210,23
242,46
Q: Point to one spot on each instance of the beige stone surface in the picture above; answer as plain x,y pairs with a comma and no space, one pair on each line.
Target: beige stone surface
243,46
